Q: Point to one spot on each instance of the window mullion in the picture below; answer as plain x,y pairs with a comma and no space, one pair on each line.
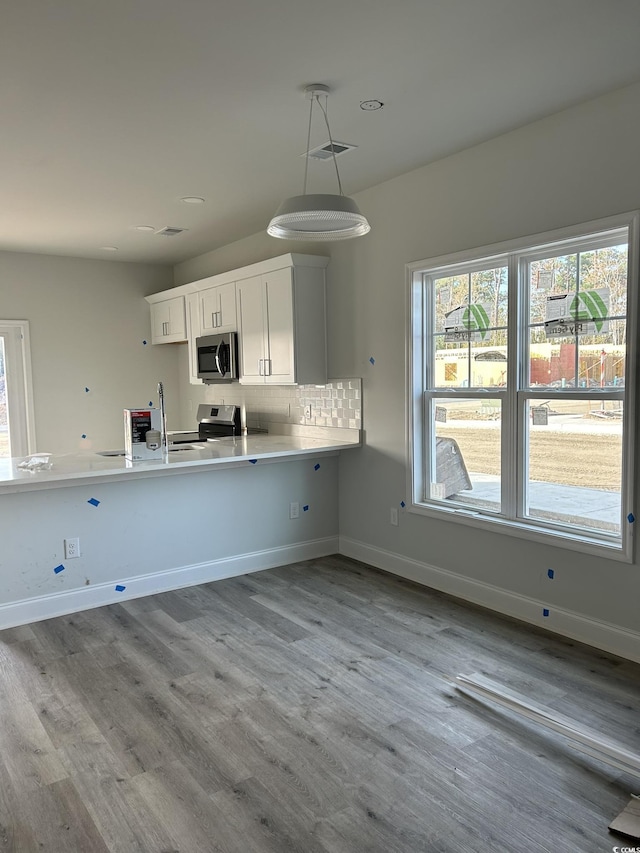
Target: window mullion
509,419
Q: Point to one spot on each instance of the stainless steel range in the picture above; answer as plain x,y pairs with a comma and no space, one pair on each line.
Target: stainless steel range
214,422
218,421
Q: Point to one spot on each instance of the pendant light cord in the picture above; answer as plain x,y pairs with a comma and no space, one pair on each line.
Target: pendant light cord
333,153
306,159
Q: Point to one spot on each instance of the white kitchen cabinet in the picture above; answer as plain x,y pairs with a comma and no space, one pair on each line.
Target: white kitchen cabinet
168,321
281,327
193,332
277,307
217,308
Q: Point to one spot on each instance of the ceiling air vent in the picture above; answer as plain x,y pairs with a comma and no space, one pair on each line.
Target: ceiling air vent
169,231
326,151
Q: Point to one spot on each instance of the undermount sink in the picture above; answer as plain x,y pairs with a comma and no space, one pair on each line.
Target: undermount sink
173,449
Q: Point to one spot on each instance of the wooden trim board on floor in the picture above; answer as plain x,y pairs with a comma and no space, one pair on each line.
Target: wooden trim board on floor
602,748
584,739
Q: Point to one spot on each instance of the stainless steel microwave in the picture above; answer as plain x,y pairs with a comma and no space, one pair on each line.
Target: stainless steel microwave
217,357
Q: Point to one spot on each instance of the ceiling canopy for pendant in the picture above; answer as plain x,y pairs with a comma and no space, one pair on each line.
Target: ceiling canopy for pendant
320,216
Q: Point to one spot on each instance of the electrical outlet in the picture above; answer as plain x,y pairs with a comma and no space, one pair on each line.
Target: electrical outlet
307,411
71,548
393,516
294,510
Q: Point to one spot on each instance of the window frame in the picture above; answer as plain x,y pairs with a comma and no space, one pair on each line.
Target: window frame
19,385
516,254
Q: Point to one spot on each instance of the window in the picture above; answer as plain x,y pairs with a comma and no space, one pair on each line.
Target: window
522,409
16,406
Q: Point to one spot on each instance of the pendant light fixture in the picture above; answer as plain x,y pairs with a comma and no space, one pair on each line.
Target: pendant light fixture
320,216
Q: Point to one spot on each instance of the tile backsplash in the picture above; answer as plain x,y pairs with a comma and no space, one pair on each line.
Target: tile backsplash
336,404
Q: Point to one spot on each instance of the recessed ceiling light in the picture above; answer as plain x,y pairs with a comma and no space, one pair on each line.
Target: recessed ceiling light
192,199
109,248
369,106
145,228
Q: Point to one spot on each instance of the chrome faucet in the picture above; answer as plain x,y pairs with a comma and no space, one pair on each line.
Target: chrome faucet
163,420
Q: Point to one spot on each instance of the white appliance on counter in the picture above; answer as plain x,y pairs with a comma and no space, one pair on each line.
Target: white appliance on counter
142,434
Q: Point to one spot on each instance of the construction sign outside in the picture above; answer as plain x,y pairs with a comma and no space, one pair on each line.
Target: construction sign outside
467,323
583,313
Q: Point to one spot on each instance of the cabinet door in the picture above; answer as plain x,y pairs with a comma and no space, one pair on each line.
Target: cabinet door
227,307
251,330
280,329
177,319
168,321
218,309
159,321
209,310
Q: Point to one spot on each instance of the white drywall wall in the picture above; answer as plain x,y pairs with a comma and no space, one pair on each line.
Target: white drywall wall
88,320
572,167
149,534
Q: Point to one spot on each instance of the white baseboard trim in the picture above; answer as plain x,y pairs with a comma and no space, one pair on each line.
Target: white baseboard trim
592,632
84,598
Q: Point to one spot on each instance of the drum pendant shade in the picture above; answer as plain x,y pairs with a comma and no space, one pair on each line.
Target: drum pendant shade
318,216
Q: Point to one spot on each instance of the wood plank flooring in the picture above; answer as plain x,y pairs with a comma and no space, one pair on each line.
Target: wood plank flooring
302,709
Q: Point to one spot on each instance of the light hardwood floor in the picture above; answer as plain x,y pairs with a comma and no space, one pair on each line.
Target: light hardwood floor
302,709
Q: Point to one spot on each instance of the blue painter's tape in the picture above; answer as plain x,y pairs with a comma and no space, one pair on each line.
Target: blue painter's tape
151,402
84,435
120,587
59,569
253,461
144,343
86,390
305,508
93,501
545,612
550,574
402,504
631,518
372,360
316,466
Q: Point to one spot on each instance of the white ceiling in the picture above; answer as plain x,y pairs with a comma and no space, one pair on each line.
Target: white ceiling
113,111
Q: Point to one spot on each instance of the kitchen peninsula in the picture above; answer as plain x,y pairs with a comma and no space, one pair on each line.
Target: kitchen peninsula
72,469
228,508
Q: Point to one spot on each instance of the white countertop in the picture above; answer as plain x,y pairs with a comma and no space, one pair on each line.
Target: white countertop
70,469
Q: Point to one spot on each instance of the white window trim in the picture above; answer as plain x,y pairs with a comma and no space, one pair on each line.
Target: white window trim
19,387
621,550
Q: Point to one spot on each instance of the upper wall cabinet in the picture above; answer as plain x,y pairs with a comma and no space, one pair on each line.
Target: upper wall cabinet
282,327
217,309
168,320
277,307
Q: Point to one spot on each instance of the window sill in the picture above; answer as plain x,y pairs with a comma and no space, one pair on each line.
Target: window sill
612,549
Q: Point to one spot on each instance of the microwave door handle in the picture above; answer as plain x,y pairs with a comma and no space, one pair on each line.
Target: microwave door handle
223,359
